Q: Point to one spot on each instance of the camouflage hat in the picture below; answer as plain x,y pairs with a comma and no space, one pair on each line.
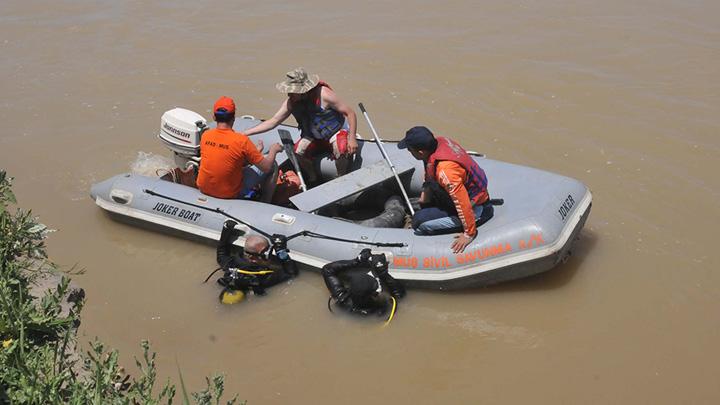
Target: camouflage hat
298,82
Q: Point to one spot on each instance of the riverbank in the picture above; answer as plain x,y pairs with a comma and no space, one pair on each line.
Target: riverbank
40,359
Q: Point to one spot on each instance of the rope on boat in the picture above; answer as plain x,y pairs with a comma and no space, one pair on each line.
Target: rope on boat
267,235
321,236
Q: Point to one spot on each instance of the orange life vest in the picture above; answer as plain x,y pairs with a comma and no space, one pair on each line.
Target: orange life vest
476,182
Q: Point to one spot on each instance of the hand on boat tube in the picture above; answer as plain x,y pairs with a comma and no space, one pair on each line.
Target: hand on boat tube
460,243
283,255
279,247
379,264
230,225
397,290
352,145
364,256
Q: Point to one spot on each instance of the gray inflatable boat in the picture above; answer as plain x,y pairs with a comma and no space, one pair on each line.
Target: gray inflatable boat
532,232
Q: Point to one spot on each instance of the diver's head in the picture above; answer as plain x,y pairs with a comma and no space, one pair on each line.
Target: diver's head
256,248
363,290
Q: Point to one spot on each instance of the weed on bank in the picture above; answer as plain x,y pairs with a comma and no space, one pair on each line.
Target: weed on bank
40,362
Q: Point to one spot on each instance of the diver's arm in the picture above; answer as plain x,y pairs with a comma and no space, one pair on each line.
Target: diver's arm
281,254
225,258
337,267
379,266
224,249
290,268
334,102
276,277
395,287
331,275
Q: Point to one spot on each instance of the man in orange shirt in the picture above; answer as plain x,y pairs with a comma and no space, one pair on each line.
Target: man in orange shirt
457,174
226,157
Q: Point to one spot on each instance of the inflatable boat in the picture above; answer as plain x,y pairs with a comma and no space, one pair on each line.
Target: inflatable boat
530,233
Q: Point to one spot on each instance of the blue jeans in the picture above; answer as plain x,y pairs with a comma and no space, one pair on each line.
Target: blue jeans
252,177
434,221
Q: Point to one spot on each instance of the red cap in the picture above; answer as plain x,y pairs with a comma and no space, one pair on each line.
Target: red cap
225,103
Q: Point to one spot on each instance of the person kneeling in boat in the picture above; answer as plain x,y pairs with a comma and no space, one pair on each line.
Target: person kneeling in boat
321,116
363,285
260,266
448,169
231,166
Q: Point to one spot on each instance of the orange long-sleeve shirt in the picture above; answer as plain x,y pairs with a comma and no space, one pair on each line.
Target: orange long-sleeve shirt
452,178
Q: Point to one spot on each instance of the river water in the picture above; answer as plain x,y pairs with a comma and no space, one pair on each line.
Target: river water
622,95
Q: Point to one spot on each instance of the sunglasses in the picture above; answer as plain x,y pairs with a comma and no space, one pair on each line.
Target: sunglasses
259,255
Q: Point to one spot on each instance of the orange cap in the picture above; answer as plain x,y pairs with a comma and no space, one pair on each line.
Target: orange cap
225,103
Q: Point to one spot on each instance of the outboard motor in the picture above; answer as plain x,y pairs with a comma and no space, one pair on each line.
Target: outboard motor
181,130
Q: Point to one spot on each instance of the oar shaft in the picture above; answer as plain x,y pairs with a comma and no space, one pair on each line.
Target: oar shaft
386,157
302,181
288,145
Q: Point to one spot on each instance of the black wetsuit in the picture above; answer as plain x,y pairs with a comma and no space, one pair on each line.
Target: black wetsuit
361,285
278,262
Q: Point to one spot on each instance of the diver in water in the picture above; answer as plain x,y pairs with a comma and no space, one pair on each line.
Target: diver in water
363,285
259,266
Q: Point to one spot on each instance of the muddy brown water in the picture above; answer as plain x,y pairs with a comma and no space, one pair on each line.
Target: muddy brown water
624,96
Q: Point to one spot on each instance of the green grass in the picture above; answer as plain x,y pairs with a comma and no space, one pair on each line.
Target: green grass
39,358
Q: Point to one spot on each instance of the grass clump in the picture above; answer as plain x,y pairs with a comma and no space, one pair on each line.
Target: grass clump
39,359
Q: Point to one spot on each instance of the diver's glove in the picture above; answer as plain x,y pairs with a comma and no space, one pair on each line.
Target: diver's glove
279,241
257,290
290,267
279,247
283,255
228,232
229,278
379,264
364,256
396,289
343,297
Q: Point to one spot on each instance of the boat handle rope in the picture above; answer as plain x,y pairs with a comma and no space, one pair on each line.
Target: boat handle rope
321,236
267,235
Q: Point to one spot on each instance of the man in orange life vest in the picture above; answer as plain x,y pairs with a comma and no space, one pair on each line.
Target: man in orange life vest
321,116
449,170
226,157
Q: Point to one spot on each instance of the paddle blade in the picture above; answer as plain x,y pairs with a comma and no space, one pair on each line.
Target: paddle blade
285,137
